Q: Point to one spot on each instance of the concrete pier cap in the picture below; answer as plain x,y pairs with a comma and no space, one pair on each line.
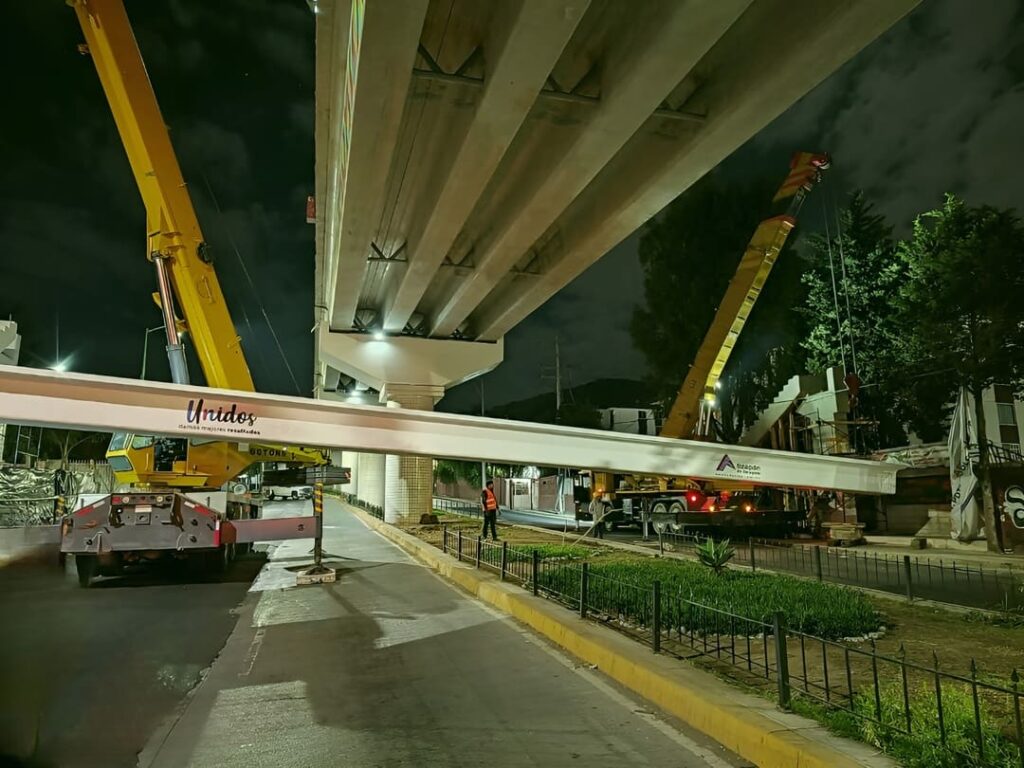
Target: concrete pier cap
408,372
396,362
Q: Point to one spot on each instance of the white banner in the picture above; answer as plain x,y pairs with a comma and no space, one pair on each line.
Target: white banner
965,517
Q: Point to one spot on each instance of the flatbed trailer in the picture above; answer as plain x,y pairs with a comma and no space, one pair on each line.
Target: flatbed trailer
204,529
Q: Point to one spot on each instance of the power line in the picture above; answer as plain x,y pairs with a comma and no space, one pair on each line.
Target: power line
252,286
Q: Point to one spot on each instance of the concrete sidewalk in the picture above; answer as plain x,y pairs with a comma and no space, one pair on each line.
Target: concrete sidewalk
390,666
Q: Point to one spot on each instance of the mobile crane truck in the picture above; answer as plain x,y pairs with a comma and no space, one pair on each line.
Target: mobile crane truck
731,503
182,503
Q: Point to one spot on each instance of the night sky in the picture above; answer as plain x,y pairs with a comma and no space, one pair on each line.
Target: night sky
936,104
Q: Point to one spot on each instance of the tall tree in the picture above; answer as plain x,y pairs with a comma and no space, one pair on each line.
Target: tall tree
688,254
853,283
962,313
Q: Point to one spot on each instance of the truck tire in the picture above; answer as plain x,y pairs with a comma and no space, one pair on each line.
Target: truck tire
659,509
85,565
675,509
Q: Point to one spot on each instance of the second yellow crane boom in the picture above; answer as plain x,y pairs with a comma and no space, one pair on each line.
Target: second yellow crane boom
691,412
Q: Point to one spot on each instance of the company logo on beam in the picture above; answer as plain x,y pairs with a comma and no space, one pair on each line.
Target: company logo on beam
729,468
218,419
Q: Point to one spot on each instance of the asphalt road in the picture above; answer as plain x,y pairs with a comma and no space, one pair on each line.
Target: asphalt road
390,666
87,674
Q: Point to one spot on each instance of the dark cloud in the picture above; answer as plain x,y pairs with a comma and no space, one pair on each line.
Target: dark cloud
935,105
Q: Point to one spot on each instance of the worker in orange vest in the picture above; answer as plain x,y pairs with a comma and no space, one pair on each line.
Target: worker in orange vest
489,503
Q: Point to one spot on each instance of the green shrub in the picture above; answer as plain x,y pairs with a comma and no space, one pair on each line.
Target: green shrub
623,589
923,748
715,554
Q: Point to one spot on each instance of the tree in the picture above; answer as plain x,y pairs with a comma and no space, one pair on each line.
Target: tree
451,471
853,283
962,316
688,254
61,443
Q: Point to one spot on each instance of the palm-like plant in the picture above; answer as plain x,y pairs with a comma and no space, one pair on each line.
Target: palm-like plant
715,554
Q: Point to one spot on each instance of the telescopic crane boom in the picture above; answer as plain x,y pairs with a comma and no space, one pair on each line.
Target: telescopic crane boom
691,412
181,259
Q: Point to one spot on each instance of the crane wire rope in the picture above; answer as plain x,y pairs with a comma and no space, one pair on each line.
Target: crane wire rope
252,285
832,273
846,285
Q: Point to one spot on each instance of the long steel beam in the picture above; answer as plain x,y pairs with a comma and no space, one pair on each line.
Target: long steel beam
45,398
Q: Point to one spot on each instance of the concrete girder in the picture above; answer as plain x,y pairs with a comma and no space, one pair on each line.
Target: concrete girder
526,40
644,64
788,47
381,62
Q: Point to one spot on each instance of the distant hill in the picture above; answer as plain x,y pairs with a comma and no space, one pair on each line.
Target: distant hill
600,393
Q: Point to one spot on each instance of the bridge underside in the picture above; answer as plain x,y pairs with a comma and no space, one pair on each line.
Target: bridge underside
473,158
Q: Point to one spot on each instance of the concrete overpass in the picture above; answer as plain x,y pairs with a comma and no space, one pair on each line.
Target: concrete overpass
473,158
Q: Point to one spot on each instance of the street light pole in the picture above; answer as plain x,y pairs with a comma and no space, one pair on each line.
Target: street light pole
145,348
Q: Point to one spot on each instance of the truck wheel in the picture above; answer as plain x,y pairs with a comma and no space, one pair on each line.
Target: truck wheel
86,567
660,509
675,510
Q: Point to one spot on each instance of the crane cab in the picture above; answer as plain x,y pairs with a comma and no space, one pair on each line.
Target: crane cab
174,462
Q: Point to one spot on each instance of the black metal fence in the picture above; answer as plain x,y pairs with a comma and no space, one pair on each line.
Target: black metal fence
457,506
970,717
920,578
371,509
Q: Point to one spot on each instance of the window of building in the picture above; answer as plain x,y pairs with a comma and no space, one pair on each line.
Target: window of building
1009,434
1003,393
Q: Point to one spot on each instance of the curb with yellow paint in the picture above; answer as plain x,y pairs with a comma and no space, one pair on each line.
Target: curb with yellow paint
749,726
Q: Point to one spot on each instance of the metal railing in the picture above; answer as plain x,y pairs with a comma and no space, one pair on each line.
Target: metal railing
457,506
916,578
971,717
371,509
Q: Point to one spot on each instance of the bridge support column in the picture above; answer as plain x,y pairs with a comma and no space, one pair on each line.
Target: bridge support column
371,478
408,372
409,480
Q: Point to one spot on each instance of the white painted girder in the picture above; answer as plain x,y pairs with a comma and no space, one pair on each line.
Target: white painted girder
370,116
666,40
524,51
776,53
44,398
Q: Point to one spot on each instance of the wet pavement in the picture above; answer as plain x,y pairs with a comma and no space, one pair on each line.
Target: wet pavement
87,674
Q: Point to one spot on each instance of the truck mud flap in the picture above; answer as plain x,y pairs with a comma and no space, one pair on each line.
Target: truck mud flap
276,529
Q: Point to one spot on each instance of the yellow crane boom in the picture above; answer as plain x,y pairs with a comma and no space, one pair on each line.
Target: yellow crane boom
175,242
181,258
690,413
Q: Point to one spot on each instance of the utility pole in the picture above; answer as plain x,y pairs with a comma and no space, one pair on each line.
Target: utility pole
558,383
483,463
